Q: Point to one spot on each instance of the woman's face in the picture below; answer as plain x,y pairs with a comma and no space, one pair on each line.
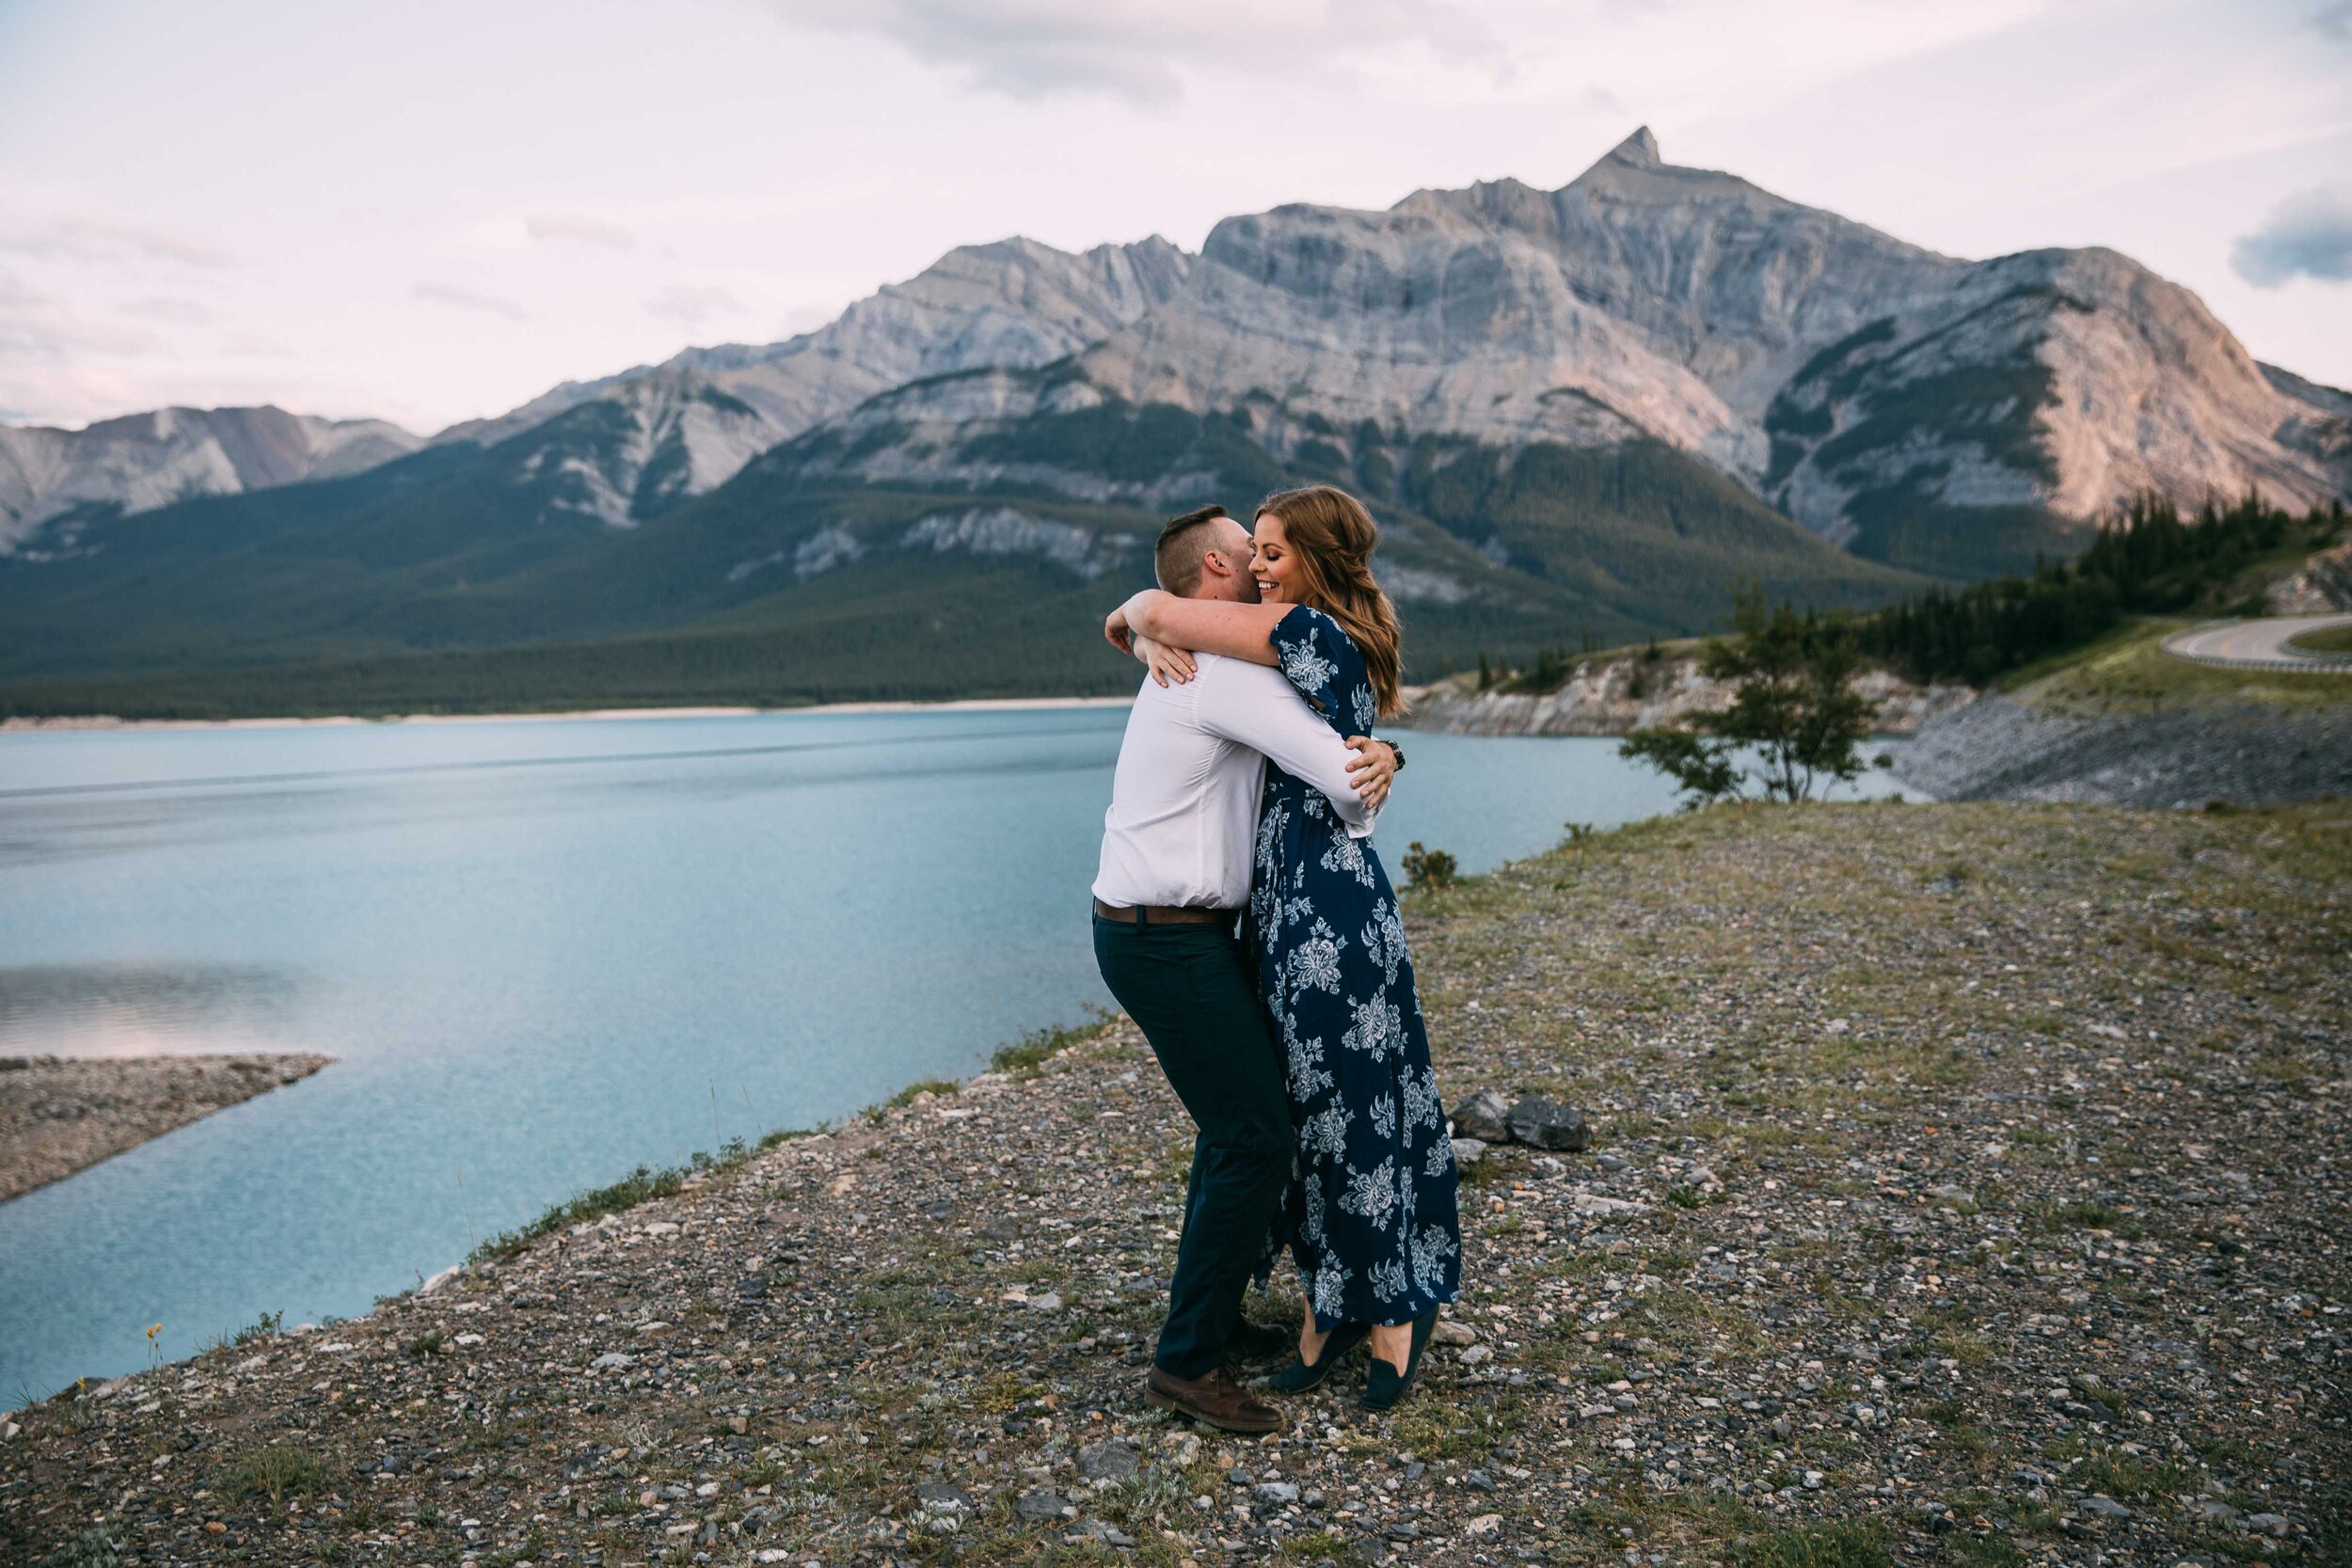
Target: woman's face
1276,568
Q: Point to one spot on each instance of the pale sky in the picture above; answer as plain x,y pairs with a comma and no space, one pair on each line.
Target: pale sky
436,210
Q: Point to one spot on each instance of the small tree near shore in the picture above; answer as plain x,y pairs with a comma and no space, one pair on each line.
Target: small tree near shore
1793,703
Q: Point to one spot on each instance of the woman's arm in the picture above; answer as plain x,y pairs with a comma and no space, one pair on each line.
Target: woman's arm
1204,625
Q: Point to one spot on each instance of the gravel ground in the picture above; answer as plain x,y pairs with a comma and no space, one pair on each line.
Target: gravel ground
1965,1188
57,1115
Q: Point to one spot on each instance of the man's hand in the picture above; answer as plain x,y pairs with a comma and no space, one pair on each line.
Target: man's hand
1372,770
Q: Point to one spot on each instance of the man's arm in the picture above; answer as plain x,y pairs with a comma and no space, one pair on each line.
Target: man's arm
1255,706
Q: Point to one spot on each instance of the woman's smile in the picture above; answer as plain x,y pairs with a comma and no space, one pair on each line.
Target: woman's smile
1271,562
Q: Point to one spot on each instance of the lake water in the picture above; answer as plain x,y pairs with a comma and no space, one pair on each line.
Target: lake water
543,953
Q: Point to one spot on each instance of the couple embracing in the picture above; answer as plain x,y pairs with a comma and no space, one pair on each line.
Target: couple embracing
1243,919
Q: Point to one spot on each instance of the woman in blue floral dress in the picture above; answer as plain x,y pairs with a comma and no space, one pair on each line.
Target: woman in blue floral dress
1371,1215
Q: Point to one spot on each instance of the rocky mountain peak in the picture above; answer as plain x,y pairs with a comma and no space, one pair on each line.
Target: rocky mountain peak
1639,149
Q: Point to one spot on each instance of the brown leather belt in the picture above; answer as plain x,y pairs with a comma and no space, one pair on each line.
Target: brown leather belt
1163,914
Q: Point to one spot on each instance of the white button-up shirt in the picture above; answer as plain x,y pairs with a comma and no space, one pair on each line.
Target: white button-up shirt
1181,829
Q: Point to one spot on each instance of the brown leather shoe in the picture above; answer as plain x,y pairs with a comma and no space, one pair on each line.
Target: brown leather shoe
1216,1400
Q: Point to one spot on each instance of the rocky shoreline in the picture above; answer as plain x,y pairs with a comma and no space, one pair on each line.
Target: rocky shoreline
2002,748
60,1115
1631,692
1953,1184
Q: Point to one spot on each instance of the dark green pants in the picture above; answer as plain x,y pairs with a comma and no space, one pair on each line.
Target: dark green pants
1193,991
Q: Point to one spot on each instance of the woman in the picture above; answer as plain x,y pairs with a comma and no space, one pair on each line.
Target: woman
1371,1214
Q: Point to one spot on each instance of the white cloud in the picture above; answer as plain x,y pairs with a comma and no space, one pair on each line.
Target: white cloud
580,228
1135,49
800,153
165,308
695,303
468,299
103,241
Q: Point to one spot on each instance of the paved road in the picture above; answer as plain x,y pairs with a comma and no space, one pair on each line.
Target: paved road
2260,644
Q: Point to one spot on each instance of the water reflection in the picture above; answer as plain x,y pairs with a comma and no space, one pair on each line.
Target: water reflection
123,1010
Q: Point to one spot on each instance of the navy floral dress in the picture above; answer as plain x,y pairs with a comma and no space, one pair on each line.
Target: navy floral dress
1371,1214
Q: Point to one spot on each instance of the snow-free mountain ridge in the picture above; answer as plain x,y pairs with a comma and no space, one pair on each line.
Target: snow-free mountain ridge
1951,415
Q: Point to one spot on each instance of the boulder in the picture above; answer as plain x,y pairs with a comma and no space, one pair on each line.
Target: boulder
1546,1124
1481,1118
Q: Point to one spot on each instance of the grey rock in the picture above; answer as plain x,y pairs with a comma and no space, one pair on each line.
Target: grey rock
1041,1503
1275,1492
2268,1524
1544,1123
1481,1117
1108,1461
939,1497
1469,1151
2103,1507
613,1359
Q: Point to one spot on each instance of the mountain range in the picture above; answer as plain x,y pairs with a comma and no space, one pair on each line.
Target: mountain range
1577,412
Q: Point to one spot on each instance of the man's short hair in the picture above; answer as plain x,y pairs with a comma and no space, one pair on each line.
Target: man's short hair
1176,560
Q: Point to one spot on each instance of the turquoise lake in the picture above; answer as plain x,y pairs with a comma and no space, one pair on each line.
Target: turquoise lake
543,953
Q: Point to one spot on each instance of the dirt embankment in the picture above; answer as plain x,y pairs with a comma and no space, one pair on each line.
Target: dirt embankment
60,1113
1627,692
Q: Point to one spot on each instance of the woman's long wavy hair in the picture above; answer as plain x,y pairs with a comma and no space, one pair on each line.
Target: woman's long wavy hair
1333,537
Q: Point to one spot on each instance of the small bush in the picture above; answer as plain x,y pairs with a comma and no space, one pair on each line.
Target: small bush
1433,869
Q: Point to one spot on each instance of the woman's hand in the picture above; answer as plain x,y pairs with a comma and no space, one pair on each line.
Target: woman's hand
1117,632
1141,612
1169,666
1373,771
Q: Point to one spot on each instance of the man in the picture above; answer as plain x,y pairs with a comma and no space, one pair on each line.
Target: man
1177,846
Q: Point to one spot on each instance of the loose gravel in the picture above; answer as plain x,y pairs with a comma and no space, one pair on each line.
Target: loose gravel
59,1115
1964,1185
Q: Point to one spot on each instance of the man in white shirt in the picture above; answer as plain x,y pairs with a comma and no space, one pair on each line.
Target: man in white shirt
1177,846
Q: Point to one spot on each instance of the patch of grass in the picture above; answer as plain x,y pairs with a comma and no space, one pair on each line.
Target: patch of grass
1841,1543
639,1186
906,1096
1024,1057
1456,1431
2083,1215
262,1327
2130,673
1322,1546
1984,1551
2324,640
92,1548
433,1342
2128,1479
277,1472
